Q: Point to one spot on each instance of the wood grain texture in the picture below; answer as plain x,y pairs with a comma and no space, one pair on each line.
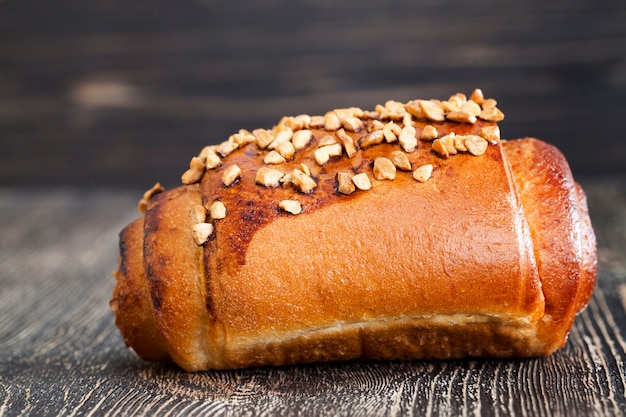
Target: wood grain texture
106,92
60,353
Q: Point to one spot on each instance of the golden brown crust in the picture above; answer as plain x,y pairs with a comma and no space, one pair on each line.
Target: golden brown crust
493,255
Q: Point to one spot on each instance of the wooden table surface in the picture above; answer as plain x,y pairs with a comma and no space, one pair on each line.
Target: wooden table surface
60,353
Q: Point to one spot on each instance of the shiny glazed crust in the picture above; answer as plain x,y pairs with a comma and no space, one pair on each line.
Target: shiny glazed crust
493,256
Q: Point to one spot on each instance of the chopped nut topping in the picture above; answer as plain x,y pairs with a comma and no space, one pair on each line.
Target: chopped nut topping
227,147
286,149
331,121
327,140
195,171
263,138
457,100
353,124
316,122
212,160
400,160
231,174
347,142
197,214
460,116
344,183
407,120
201,232
491,133
302,181
268,177
489,103
375,125
243,137
432,110
143,203
283,136
429,133
286,179
305,169
423,173
459,143
389,135
362,181
301,138
384,169
415,109
440,148
448,142
323,154
217,210
301,121
407,139
476,145
471,107
291,206
477,96
394,110
492,114
373,138
273,158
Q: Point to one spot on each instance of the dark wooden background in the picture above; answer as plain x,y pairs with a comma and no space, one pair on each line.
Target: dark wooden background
111,92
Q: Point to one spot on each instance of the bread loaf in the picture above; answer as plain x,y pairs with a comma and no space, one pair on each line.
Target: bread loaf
407,232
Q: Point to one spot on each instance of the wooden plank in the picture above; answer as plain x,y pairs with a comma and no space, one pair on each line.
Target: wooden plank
62,355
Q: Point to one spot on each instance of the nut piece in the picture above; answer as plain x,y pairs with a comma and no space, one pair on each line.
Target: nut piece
489,103
273,158
384,169
231,174
201,232
476,145
347,142
210,157
195,171
243,137
142,206
491,133
197,214
423,173
283,136
440,148
415,109
344,183
331,121
462,117
323,154
400,160
432,110
471,107
362,181
227,147
477,96
291,206
316,122
373,138
268,177
353,124
286,150
407,139
263,137
491,114
301,138
217,210
327,140
302,181
459,143
429,133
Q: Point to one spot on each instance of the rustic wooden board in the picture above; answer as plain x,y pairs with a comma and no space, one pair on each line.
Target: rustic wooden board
60,353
